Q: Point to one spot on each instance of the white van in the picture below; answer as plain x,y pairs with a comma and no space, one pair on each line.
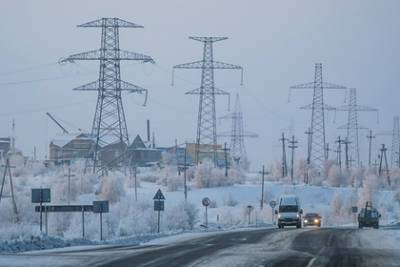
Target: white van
289,211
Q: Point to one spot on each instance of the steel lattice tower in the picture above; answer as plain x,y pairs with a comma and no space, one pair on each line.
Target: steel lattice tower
206,121
237,135
317,136
352,127
395,134
109,124
395,153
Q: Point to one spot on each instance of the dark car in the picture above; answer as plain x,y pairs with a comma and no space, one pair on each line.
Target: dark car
368,217
312,219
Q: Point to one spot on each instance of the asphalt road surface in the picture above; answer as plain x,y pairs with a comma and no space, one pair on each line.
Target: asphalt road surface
260,247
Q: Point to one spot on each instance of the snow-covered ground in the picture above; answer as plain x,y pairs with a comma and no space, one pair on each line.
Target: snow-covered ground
135,222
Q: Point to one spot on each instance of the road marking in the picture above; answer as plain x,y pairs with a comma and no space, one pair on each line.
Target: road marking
311,262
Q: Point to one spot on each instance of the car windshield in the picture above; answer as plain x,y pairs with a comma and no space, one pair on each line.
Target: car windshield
372,213
311,215
290,208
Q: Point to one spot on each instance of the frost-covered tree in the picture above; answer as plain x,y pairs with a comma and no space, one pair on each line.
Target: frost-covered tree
111,188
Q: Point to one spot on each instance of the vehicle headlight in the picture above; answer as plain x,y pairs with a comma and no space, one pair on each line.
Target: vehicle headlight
305,221
279,216
316,220
298,216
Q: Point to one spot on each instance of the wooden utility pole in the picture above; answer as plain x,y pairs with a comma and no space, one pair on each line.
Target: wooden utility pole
292,146
284,162
69,175
370,137
184,173
262,187
7,172
226,159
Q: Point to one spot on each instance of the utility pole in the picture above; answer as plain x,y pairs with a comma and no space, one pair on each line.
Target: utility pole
292,146
7,172
69,175
284,162
226,159
262,186
370,137
346,148
109,124
384,157
135,179
206,120
339,143
318,106
327,149
13,138
307,174
184,173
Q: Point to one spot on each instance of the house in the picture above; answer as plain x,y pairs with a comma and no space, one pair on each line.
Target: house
142,155
5,146
111,154
206,153
68,151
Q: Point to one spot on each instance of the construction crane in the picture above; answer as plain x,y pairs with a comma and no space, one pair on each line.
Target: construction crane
56,122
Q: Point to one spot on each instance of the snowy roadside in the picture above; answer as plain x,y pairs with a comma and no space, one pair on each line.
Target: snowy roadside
92,255
47,244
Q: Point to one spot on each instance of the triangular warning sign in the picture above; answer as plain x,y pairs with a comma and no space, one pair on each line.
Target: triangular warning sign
159,195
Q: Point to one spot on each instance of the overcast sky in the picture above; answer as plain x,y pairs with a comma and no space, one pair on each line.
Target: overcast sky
277,43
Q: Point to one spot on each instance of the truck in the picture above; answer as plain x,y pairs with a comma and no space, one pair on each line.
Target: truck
289,211
368,216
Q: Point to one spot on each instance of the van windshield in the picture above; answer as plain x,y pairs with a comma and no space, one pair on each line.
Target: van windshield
290,208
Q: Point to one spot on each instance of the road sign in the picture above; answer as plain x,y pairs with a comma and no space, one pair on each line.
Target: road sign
206,202
100,206
159,195
158,205
272,203
250,208
354,209
64,208
41,195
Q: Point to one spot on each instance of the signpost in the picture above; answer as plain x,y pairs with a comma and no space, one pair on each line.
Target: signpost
250,208
272,204
100,207
41,195
206,202
158,206
354,210
96,207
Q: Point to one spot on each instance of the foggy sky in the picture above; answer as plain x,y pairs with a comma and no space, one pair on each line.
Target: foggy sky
277,43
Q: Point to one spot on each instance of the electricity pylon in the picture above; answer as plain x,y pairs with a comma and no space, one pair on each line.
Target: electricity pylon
395,153
352,126
206,121
237,135
109,124
395,147
383,160
318,107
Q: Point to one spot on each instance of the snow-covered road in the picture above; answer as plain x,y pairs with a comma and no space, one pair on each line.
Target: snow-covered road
257,247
